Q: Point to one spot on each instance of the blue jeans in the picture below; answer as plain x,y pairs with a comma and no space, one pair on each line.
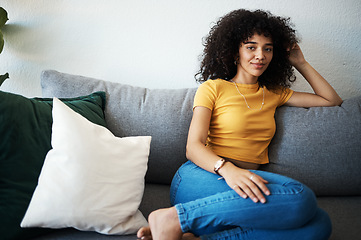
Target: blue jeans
209,208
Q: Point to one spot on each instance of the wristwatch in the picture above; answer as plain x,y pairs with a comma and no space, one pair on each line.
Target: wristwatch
219,164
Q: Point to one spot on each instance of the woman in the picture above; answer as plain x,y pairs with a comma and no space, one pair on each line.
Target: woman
219,193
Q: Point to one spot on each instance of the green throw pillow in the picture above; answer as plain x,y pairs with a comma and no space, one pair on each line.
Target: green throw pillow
25,130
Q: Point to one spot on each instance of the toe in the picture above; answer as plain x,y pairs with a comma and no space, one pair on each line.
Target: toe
144,233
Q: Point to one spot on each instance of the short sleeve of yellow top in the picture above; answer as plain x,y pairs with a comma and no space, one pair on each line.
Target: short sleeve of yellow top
236,131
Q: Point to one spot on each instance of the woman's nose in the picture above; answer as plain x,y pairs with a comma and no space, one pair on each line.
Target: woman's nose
259,54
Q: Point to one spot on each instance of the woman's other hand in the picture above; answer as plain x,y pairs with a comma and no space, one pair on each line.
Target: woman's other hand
245,182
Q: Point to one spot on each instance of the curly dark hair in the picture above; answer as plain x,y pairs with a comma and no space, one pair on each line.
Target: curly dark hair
222,44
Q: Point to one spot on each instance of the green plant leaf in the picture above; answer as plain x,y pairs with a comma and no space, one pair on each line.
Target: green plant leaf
1,41
3,17
3,78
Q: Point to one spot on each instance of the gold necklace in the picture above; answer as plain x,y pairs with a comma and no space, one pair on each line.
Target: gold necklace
246,99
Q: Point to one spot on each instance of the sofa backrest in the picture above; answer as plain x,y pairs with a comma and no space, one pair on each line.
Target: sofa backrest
164,114
318,146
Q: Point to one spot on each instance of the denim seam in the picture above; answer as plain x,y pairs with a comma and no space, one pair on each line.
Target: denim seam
174,194
182,219
301,189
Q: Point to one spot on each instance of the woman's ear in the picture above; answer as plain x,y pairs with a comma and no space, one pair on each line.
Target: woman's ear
236,60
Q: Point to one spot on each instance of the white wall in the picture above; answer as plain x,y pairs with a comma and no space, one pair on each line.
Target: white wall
156,43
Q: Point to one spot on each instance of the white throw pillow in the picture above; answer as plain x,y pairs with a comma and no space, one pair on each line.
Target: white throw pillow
90,180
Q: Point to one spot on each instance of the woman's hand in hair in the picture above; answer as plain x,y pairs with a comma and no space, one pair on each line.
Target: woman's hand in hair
296,56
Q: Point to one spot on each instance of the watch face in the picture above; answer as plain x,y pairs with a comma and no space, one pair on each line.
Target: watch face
218,164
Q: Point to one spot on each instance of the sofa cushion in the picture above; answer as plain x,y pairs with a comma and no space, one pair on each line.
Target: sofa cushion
91,180
164,114
345,213
320,146
25,130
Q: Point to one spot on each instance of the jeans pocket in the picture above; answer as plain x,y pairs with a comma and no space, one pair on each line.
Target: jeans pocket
174,187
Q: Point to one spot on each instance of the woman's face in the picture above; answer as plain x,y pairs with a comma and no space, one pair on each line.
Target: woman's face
255,54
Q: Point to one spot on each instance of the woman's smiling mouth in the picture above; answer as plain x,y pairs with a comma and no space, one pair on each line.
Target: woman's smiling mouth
258,65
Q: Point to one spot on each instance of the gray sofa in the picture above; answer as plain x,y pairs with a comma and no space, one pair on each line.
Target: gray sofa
318,146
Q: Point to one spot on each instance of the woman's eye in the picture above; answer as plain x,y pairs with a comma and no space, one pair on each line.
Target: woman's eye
250,48
269,49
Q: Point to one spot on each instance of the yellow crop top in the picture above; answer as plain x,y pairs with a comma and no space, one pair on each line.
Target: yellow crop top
236,131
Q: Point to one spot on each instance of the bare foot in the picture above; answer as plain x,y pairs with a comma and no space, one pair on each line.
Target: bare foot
190,236
163,225
144,233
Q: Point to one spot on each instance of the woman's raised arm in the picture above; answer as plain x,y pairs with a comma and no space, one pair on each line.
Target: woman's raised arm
324,95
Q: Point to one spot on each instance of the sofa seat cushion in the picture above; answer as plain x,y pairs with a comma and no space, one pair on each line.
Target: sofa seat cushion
156,196
345,213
